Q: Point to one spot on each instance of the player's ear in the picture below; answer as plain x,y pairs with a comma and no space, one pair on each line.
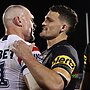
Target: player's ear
63,27
17,21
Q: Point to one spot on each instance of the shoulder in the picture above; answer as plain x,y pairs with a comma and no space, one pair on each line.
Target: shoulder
66,51
64,48
14,37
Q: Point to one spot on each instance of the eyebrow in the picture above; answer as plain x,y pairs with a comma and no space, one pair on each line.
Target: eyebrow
48,18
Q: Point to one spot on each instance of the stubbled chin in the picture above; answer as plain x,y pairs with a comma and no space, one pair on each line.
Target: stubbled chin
43,33
40,34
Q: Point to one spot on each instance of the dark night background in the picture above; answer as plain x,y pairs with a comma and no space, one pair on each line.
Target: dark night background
39,9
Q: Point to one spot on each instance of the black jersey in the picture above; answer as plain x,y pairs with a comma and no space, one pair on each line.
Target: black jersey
63,55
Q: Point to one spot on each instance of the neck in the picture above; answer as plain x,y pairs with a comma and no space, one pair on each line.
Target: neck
60,38
11,31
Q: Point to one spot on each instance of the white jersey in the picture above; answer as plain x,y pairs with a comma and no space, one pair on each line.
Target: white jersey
11,67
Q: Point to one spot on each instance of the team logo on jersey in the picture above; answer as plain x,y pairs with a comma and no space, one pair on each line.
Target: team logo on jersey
65,60
85,59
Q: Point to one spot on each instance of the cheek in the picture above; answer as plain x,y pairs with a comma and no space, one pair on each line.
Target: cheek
27,30
25,26
31,24
28,25
54,31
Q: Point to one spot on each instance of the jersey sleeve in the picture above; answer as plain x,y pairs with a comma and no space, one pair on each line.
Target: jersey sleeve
12,39
65,58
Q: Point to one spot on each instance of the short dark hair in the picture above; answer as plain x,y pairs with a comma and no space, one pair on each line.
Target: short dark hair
67,14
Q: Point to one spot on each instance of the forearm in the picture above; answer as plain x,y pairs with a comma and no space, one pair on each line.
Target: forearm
31,83
46,78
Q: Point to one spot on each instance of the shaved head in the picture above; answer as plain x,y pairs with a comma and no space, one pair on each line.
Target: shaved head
13,11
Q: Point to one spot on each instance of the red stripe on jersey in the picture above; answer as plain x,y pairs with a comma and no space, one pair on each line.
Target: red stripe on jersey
19,60
35,49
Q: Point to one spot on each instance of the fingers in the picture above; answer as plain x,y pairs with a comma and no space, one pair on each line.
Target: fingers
31,46
15,45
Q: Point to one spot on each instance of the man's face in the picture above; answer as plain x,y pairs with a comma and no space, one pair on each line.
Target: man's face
51,26
28,26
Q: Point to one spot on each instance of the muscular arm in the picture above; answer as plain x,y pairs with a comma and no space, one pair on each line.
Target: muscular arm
46,78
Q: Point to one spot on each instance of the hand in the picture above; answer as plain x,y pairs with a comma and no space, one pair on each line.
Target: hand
21,49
